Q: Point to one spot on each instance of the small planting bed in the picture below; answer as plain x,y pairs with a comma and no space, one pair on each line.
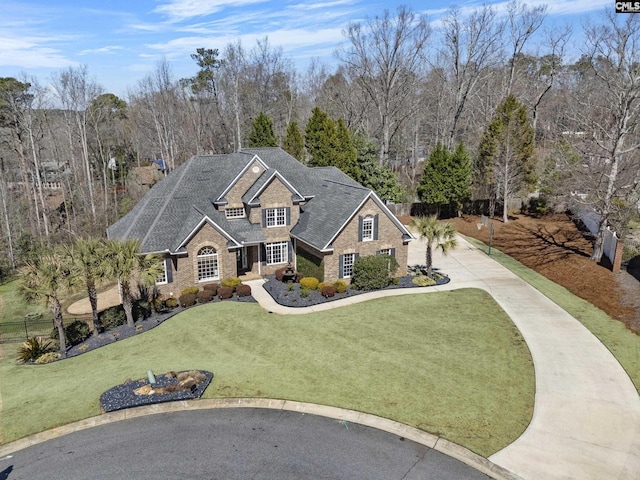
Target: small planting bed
169,387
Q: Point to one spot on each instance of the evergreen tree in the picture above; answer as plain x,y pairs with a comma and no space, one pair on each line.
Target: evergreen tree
320,135
446,177
345,155
293,142
505,161
379,179
262,132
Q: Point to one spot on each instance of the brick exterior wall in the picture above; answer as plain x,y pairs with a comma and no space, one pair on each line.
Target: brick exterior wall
347,242
234,196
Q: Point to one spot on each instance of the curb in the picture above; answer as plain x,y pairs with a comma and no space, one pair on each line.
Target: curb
419,436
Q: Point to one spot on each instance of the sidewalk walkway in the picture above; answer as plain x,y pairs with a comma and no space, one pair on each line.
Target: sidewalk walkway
586,420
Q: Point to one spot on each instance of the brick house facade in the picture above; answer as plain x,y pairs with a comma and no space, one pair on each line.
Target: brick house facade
254,211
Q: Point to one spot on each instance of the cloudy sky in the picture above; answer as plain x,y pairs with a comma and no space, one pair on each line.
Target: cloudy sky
120,41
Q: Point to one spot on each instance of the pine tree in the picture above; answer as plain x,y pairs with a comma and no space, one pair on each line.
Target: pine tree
433,184
293,142
505,161
345,155
459,177
379,179
262,132
320,135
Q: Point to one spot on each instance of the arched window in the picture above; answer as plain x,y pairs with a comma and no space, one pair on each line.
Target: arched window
207,264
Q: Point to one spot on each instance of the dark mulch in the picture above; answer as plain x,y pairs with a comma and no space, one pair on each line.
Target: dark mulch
123,396
288,295
141,326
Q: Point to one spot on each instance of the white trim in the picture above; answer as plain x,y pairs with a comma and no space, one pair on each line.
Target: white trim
384,209
214,225
242,172
233,217
370,220
275,173
166,277
280,245
275,217
214,256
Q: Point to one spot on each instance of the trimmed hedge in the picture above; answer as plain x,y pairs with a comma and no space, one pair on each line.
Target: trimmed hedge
205,296
328,291
373,272
171,302
243,290
212,287
190,290
310,283
341,286
225,293
231,282
187,300
279,273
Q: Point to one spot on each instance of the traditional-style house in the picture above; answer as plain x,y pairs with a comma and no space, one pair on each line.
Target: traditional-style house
254,211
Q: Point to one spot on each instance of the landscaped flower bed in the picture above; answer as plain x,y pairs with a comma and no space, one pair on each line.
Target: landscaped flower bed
294,295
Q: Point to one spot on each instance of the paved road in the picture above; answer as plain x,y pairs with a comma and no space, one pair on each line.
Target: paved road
232,444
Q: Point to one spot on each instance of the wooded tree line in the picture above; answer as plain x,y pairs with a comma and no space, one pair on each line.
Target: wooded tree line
495,92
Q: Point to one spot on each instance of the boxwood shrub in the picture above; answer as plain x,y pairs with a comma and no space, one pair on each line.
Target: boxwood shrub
225,293
205,296
243,290
190,290
231,282
187,299
310,283
373,272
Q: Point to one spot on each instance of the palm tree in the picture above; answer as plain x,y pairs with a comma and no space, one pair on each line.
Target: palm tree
86,256
125,262
45,279
436,234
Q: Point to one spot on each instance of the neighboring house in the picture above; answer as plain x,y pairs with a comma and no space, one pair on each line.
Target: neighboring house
253,211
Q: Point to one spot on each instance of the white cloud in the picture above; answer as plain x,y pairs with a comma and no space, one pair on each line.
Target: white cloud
109,49
31,53
180,10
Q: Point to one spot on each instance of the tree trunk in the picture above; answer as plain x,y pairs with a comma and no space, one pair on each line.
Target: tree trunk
429,259
127,302
56,309
93,300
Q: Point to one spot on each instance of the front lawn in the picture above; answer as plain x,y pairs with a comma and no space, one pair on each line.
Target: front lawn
451,363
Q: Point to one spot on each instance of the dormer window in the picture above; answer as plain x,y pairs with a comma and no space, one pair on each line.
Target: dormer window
235,212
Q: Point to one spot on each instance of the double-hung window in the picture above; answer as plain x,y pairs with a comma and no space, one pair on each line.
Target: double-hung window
347,264
163,278
276,217
277,252
367,229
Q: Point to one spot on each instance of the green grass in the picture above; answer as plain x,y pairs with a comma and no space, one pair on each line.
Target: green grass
621,342
450,363
13,307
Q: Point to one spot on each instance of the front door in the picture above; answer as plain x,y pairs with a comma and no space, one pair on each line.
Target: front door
242,263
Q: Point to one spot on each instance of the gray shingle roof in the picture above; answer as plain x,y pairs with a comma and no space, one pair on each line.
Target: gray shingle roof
171,211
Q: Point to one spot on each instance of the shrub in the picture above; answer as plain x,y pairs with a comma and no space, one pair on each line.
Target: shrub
341,286
171,302
141,310
243,290
231,282
34,348
310,283
225,293
328,291
75,333
423,281
47,358
279,274
212,287
321,285
187,299
113,317
304,292
190,290
373,272
205,296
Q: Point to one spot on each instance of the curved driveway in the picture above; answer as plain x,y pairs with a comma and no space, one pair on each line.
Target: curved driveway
586,419
233,444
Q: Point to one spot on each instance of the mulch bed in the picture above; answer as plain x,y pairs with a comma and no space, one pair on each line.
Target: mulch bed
288,295
123,396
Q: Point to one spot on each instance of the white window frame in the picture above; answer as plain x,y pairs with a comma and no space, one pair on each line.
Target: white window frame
281,249
235,212
207,263
163,278
276,217
348,259
367,229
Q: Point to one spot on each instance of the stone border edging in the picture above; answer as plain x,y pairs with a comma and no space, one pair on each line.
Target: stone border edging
419,436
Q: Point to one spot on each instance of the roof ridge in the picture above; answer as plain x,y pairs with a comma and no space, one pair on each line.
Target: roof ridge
362,187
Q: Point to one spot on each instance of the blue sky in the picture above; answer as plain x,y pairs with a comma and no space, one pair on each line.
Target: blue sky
122,41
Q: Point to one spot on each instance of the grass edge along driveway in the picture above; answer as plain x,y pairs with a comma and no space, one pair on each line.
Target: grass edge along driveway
450,363
621,342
